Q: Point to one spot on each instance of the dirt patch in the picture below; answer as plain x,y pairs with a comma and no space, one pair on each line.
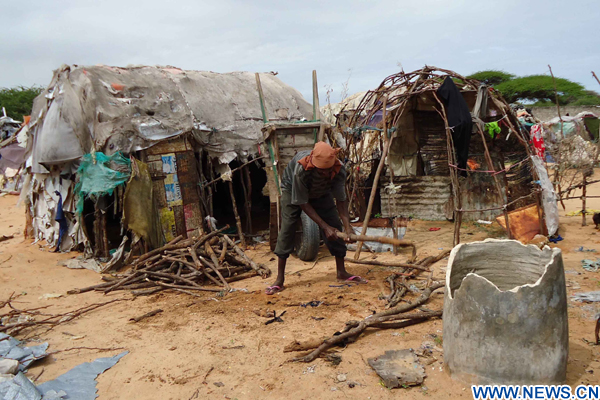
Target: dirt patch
171,352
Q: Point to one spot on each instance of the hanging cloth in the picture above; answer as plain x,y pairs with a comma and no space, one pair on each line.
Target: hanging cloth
537,139
60,217
459,120
493,129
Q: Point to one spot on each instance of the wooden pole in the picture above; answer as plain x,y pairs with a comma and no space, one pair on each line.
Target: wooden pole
261,97
386,149
594,75
238,222
583,198
316,109
246,173
488,158
557,105
453,173
235,169
246,203
380,239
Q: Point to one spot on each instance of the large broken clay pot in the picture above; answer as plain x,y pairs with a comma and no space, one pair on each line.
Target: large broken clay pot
505,314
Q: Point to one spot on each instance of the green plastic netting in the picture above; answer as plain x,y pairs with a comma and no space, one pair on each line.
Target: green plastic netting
99,175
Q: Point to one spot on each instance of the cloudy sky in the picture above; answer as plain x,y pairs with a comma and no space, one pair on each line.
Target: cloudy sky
359,42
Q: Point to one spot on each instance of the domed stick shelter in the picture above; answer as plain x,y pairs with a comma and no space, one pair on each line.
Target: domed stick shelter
435,145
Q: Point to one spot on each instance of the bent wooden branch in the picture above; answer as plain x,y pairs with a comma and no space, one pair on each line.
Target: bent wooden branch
355,329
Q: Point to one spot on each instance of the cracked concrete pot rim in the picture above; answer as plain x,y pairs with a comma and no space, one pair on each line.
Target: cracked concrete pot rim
456,250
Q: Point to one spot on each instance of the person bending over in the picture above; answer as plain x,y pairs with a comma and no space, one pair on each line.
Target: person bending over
310,183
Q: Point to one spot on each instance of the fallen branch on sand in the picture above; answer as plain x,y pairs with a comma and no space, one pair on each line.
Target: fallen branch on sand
395,318
147,315
86,348
16,320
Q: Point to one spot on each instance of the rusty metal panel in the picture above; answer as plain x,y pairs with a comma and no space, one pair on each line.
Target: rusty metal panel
160,196
180,228
193,217
479,192
424,197
519,179
432,142
170,146
155,169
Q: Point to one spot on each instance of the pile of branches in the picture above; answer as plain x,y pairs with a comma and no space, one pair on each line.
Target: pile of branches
394,317
206,263
14,321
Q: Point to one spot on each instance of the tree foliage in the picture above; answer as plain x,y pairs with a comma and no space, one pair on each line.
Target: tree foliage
492,77
18,101
540,89
537,90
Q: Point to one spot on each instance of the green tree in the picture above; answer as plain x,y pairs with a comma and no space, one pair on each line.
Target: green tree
492,77
539,89
18,101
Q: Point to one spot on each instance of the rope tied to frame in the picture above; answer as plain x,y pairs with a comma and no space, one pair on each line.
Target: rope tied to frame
507,169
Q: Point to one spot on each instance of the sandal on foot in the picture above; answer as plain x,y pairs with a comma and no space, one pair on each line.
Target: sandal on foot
354,279
271,290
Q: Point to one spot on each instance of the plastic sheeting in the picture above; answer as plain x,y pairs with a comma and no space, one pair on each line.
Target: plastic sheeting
78,384
549,197
13,349
38,194
100,175
19,388
126,109
11,156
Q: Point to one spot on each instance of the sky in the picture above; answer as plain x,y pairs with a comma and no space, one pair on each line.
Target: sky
354,42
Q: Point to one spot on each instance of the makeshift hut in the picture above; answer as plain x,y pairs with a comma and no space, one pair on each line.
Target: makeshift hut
569,145
451,148
12,153
148,150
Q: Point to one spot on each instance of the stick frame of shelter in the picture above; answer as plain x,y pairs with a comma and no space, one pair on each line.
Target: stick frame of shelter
400,90
496,182
556,99
246,203
386,149
238,221
453,172
595,77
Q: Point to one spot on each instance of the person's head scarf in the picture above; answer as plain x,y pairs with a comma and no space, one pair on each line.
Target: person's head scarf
322,156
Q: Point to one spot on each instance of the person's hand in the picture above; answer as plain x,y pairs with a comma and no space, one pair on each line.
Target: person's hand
330,233
349,232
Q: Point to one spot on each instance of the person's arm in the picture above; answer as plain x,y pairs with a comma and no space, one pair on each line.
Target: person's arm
342,207
329,231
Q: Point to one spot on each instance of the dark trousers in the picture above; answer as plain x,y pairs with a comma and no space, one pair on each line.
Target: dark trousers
290,215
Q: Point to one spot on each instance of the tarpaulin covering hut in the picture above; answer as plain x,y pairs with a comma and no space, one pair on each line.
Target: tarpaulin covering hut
183,126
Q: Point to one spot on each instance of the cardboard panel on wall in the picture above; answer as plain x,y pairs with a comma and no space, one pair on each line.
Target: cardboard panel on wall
193,217
167,222
173,191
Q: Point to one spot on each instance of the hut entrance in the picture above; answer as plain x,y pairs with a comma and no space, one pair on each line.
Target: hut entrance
252,205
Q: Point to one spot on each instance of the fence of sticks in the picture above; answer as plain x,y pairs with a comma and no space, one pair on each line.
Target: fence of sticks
574,157
504,159
206,263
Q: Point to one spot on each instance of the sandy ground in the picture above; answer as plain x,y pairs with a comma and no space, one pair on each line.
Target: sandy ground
170,353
